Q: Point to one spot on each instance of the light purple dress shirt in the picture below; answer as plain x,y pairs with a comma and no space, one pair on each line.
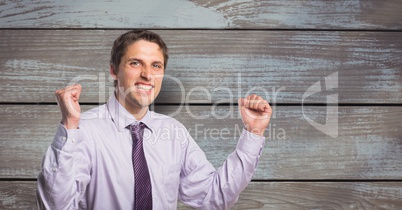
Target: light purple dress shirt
91,167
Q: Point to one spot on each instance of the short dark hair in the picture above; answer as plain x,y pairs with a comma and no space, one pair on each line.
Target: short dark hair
123,41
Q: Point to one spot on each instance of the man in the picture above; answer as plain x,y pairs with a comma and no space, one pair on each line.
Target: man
121,155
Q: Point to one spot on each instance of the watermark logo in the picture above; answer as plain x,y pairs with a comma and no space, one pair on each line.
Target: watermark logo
220,106
331,122
274,132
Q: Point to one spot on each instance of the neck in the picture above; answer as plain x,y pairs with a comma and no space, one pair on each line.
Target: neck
136,110
137,113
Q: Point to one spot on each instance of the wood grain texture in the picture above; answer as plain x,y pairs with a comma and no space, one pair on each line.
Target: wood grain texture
368,145
271,14
211,66
18,195
346,52
263,195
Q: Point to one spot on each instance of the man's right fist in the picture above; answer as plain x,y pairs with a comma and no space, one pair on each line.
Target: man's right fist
67,98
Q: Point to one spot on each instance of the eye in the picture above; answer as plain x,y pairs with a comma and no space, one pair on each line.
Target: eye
158,66
135,63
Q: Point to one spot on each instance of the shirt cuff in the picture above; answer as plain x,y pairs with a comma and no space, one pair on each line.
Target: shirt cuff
66,140
251,143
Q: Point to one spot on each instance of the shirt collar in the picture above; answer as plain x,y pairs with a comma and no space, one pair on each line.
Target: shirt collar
122,118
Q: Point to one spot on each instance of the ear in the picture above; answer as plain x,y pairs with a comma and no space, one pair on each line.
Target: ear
114,76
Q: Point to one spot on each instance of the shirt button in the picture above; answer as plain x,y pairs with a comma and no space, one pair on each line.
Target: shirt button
73,140
54,169
63,138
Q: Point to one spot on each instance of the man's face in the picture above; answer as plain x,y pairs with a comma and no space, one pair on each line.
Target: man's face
140,75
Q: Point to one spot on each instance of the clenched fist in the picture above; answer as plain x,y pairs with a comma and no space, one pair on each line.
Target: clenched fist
255,113
67,98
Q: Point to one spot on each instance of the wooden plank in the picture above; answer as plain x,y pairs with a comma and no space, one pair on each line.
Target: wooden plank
272,14
18,195
368,145
339,195
263,195
211,66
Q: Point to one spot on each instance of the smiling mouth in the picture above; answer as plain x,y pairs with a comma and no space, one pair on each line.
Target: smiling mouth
143,87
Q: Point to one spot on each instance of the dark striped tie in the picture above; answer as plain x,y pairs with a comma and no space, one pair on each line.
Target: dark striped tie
142,186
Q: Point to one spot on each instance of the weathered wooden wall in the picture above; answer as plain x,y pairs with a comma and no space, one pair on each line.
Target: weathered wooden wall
221,50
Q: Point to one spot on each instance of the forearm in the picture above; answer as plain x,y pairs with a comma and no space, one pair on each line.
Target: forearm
236,172
57,182
220,189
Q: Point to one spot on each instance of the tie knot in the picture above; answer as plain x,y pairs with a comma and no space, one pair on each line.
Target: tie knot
136,126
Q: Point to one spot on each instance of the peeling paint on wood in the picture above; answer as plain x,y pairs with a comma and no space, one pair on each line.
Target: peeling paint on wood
358,40
264,195
272,14
280,65
108,14
368,145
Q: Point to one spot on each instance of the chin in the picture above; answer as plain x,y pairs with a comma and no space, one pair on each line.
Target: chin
145,103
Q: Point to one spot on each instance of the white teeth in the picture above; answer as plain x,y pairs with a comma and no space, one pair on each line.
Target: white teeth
144,87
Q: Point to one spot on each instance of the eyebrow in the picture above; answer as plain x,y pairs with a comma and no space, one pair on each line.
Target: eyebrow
134,59
137,59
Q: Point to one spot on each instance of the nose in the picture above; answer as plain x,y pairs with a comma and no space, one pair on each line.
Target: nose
146,73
